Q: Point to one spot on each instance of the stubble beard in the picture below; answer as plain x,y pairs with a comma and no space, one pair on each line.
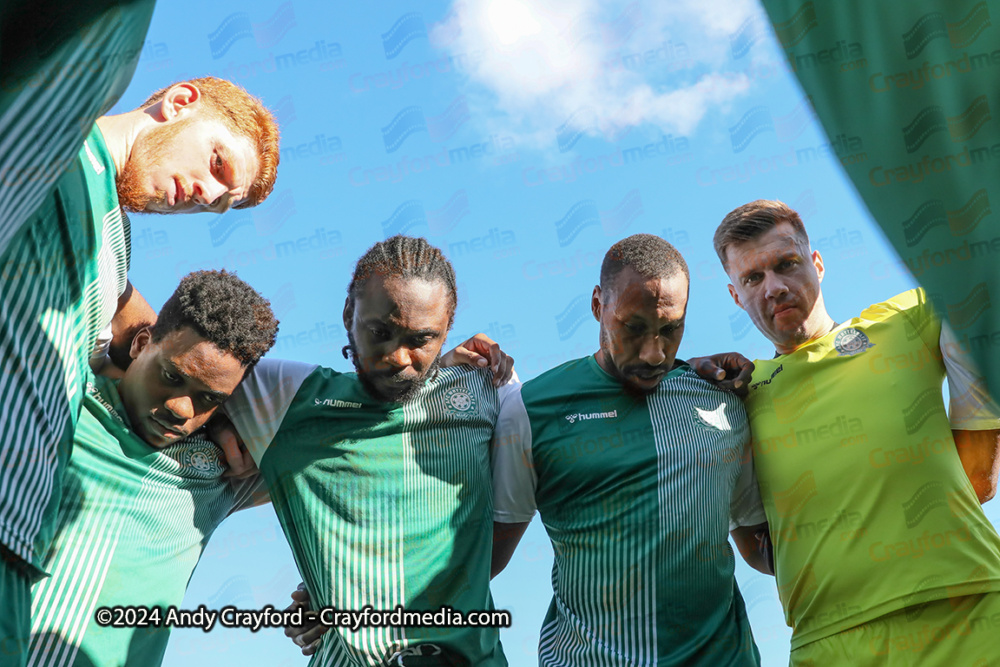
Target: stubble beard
408,388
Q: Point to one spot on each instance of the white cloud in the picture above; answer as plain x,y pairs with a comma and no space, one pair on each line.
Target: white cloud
554,67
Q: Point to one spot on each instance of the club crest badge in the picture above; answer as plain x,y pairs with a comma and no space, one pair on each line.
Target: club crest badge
203,459
460,402
851,341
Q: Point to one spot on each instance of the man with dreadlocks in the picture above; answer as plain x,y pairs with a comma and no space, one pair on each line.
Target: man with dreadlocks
381,478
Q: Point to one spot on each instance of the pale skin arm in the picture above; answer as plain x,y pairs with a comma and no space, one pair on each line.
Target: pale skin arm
754,544
506,537
980,455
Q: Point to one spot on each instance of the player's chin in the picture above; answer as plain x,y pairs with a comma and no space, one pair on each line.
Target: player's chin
642,384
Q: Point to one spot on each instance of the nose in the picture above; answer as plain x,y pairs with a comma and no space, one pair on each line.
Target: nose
651,352
774,286
181,407
207,192
399,358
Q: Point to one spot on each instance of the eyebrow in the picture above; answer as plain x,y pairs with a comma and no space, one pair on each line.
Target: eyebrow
775,259
407,332
228,173
221,395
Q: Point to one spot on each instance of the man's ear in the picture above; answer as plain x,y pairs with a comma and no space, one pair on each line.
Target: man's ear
736,297
818,263
595,303
348,313
142,338
178,99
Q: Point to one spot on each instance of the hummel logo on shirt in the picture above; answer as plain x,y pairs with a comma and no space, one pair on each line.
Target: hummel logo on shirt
592,415
336,403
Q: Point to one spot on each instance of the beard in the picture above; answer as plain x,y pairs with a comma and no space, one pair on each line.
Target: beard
150,149
402,389
622,374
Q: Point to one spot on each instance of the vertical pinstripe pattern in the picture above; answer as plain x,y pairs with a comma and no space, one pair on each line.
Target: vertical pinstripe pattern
60,288
45,118
131,527
635,495
387,508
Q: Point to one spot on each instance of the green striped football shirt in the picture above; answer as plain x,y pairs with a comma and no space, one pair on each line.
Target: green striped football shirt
60,279
132,525
64,65
638,495
383,504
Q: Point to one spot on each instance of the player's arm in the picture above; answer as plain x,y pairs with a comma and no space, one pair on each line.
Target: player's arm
730,371
111,355
974,416
134,313
241,465
747,518
309,635
482,351
514,480
980,455
754,544
506,537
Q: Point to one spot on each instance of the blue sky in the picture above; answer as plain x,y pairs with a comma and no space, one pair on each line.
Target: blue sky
523,143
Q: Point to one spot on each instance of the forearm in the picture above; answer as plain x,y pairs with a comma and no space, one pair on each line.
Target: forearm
754,544
978,451
133,314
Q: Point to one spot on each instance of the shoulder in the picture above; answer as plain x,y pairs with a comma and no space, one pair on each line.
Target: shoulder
196,457
686,391
566,378
464,390
912,301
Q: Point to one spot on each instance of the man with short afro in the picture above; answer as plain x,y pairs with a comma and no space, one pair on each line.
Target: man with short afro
144,488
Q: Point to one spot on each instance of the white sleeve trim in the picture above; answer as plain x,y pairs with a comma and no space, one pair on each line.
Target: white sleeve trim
745,507
971,408
514,479
260,403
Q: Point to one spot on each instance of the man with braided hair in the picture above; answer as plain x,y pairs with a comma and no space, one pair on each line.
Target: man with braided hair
381,477
144,489
201,145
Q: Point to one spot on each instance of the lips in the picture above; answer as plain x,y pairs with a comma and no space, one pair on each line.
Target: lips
166,429
783,308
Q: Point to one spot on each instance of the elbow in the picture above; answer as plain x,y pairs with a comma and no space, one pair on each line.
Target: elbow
985,486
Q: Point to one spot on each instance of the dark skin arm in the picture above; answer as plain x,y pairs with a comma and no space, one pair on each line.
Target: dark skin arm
133,314
730,371
482,351
506,537
980,457
754,544
309,636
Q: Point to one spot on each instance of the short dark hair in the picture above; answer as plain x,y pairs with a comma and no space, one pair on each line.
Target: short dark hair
404,257
751,220
646,254
223,310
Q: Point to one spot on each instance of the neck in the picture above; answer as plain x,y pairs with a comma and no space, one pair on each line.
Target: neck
120,132
818,329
